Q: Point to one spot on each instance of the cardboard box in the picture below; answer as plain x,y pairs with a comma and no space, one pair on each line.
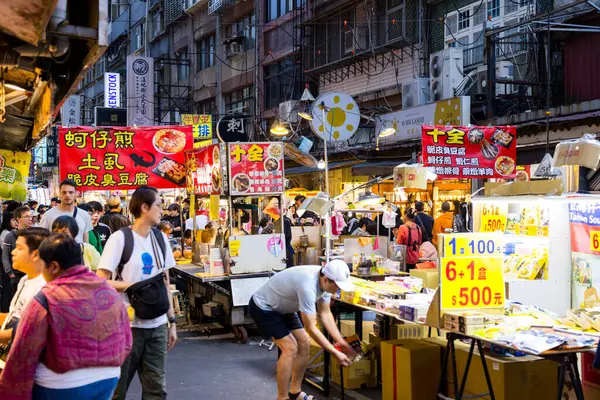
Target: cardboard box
590,377
513,378
536,187
577,152
431,277
314,350
347,328
407,331
410,177
408,369
360,374
466,329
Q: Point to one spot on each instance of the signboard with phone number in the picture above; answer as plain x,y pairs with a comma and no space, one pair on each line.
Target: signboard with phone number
472,273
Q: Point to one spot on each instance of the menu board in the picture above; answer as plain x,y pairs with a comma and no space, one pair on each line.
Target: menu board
14,171
470,152
256,168
124,158
204,176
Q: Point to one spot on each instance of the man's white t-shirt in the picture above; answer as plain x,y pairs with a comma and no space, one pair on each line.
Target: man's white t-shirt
201,222
84,222
141,266
26,291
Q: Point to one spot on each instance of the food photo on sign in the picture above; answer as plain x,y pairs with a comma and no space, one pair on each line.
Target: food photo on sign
470,152
109,158
204,167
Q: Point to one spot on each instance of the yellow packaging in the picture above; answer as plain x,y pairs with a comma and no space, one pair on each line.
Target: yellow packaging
431,277
347,328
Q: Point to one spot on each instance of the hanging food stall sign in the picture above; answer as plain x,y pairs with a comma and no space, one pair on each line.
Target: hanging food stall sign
470,152
472,274
202,124
256,168
124,157
204,171
14,171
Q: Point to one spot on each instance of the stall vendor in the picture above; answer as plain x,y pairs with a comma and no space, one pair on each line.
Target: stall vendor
275,306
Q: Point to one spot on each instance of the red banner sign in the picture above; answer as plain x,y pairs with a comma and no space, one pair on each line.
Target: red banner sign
470,152
124,157
256,168
204,171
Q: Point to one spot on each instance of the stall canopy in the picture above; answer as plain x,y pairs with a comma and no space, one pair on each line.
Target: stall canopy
307,170
381,168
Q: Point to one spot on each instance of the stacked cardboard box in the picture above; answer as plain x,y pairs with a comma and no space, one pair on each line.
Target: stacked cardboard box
360,374
431,277
348,328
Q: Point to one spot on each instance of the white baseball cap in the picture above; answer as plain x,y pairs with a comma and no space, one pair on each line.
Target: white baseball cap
338,271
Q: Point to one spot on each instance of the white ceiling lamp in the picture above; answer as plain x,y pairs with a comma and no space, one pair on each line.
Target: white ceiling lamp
387,132
321,164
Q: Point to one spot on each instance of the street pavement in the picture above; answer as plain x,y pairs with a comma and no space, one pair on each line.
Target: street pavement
211,368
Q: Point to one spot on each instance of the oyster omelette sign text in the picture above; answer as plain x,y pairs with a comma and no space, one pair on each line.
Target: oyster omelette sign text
470,152
124,157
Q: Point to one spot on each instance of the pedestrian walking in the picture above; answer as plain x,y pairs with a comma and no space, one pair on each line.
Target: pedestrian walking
6,293
142,254
59,351
275,306
115,220
101,232
24,221
68,226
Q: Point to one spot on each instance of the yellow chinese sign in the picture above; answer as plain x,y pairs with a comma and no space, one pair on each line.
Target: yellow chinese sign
14,172
493,217
202,128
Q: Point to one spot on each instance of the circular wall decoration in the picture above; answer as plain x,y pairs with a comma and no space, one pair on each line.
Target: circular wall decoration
342,116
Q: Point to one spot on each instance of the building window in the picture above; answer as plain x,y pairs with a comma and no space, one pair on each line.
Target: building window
138,41
183,64
205,49
493,8
478,14
451,24
464,19
245,29
117,7
157,22
395,19
282,82
239,101
278,8
208,107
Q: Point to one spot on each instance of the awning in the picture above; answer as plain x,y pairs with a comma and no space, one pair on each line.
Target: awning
307,170
380,168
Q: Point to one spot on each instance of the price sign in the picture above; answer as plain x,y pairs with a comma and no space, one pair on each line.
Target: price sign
471,245
493,217
595,240
472,282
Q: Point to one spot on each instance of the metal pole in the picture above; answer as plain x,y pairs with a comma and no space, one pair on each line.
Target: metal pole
327,216
146,4
218,67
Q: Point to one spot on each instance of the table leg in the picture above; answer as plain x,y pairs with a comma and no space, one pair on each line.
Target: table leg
358,323
575,378
561,380
466,371
485,370
444,368
342,392
453,358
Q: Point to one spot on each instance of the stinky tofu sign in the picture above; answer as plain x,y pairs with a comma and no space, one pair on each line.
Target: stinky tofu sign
124,157
256,168
470,152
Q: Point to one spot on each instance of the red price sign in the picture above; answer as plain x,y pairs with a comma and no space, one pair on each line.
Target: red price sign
472,282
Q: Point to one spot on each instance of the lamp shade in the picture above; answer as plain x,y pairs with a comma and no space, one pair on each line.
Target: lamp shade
319,204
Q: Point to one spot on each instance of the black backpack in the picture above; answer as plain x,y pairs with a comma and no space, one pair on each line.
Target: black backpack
128,248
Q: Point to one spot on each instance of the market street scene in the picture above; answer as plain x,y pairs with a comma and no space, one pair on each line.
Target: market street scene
300,199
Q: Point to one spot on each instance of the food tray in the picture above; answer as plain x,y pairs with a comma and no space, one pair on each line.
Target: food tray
164,175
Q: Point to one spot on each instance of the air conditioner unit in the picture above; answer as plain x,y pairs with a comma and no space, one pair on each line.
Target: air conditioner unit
233,48
415,93
287,111
355,39
216,6
504,70
445,72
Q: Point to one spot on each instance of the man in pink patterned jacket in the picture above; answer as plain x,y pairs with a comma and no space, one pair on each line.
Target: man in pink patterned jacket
74,335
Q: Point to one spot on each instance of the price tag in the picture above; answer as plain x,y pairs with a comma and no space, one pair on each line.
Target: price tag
595,241
471,245
472,282
234,248
493,217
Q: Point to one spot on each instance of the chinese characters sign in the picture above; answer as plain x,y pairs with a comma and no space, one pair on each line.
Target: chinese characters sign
470,152
140,91
204,171
71,111
256,168
14,171
124,158
584,217
472,273
202,128
232,128
52,148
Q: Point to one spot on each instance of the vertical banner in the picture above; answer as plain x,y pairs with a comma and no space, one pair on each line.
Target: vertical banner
584,217
112,90
140,91
14,172
52,148
256,168
71,111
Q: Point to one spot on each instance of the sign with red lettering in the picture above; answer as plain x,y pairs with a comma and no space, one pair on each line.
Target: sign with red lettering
204,173
256,168
124,158
470,152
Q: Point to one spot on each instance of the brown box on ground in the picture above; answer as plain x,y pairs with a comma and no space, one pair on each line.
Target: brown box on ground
409,368
431,277
347,328
314,350
363,372
514,378
407,331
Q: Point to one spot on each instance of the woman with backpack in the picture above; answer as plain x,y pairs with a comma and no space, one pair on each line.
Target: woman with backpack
410,235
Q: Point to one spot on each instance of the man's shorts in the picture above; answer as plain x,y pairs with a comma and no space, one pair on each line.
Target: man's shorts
271,324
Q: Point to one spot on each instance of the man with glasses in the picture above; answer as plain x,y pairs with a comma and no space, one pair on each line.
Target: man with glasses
24,221
101,232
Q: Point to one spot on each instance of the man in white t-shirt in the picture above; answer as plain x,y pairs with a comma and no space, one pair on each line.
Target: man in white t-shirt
25,258
151,337
68,194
